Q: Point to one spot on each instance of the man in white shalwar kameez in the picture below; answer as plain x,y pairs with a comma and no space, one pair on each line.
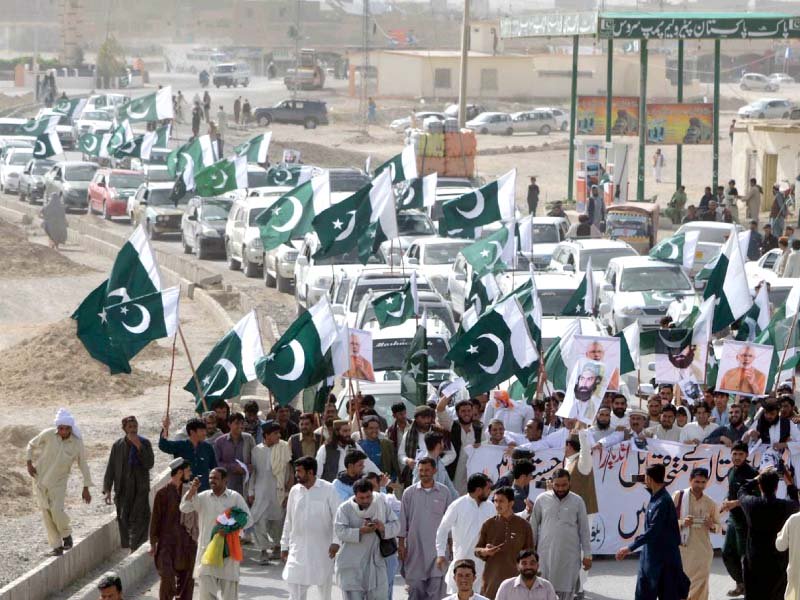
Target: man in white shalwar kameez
308,545
210,504
57,448
360,570
463,521
789,539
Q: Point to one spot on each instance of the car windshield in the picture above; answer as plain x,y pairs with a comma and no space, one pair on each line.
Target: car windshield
377,287
348,182
257,179
351,258
486,117
554,301
434,311
215,210
80,173
20,158
390,354
709,235
648,279
545,233
126,180
224,69
96,116
158,156
163,197
626,225
159,175
40,167
600,257
443,254
414,225
8,128
254,213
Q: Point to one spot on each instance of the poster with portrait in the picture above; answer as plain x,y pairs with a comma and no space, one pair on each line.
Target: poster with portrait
587,383
678,358
743,368
290,156
360,355
691,391
602,349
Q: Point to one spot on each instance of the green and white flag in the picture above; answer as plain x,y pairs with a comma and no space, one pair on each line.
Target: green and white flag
629,348
394,308
92,333
152,107
255,150
528,297
581,303
560,355
494,349
490,203
728,284
489,254
678,249
483,291
121,135
190,159
95,144
291,364
47,145
756,319
402,167
414,375
72,107
289,175
382,217
223,176
37,127
230,364
143,319
292,214
420,193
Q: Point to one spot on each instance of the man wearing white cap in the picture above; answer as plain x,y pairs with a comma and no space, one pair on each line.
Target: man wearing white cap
57,448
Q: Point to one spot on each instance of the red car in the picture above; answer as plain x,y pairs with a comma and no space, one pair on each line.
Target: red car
110,189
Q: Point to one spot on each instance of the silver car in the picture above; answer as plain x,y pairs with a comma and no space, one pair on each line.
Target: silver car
535,121
492,122
70,181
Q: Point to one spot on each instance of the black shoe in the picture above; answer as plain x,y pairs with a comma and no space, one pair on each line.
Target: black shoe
68,542
56,552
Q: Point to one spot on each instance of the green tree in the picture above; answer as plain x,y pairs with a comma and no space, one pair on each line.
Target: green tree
110,61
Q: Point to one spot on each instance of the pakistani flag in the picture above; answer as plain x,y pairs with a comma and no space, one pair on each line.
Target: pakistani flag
728,284
483,291
490,203
629,348
494,349
141,146
190,159
47,145
291,175
223,176
230,364
94,144
152,107
414,375
382,218
581,304
402,167
420,193
72,107
143,319
291,364
121,135
678,249
559,356
394,308
37,127
292,214
93,334
528,298
255,150
783,334
756,319
487,255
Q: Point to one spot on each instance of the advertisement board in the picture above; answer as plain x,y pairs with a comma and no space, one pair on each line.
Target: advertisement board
671,124
591,117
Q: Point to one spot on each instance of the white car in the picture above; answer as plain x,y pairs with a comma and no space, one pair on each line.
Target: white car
555,291
243,246
541,122
639,289
572,256
108,102
11,168
757,81
443,194
763,269
94,122
433,257
492,122
782,78
430,303
9,127
403,123
459,281
539,236
709,244
313,277
767,108
153,208
66,134
560,115
411,226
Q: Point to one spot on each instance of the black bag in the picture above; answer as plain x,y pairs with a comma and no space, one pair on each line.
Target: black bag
387,547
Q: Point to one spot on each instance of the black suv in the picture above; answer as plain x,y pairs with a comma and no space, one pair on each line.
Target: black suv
308,113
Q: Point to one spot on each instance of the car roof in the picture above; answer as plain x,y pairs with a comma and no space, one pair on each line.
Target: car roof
251,202
122,171
491,113
159,185
708,225
406,330
20,150
547,220
75,163
440,241
593,244
640,261
12,121
556,281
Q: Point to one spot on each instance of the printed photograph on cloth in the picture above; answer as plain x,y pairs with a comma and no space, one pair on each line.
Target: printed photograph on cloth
360,355
588,381
743,368
602,349
678,358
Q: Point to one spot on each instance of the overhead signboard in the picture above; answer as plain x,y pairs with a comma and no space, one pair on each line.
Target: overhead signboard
702,26
549,25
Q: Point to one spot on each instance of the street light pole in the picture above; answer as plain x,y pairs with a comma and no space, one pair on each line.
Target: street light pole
462,85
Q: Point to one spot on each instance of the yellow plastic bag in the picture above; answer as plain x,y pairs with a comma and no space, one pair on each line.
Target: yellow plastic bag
214,551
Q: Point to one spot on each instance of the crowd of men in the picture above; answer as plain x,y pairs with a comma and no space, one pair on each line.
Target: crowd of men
353,502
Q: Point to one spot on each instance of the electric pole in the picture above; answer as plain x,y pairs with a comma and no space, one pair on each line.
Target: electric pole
462,83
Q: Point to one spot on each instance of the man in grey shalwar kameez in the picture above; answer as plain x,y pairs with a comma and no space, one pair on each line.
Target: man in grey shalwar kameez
54,218
421,512
562,537
360,570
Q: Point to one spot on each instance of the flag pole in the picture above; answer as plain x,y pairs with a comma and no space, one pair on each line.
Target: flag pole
171,371
785,349
194,373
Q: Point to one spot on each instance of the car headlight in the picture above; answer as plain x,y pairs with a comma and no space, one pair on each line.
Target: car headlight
13,175
631,311
289,257
209,231
322,283
162,218
256,244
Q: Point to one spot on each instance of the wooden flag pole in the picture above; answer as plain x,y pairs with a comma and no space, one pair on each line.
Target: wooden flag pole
171,371
785,349
194,373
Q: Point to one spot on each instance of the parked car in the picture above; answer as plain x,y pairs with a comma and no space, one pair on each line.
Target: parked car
712,237
64,128
152,207
781,78
767,108
9,126
538,237
433,257
70,180
492,122
572,256
203,226
560,115
110,189
403,123
7,143
31,181
308,113
472,111
757,81
94,122
11,167
243,245
536,121
231,74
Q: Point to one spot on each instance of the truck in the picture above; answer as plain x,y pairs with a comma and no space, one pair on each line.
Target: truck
309,76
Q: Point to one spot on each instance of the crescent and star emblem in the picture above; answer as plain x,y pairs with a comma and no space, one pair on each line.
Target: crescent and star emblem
143,325
294,219
230,372
91,144
476,210
348,231
299,362
137,114
224,179
41,149
493,368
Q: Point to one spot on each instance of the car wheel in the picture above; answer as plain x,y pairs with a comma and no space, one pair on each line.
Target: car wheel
264,120
785,115
545,130
186,248
106,216
233,264
484,131
761,115
246,83
21,195
310,123
249,269
509,131
269,280
201,253
564,126
284,285
743,86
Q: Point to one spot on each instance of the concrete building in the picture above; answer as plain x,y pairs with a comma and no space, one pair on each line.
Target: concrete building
768,150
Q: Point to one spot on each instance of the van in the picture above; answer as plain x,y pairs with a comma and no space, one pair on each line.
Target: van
231,74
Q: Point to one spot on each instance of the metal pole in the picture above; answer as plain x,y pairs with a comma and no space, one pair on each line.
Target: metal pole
715,159
573,108
609,86
462,84
642,118
296,48
679,156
